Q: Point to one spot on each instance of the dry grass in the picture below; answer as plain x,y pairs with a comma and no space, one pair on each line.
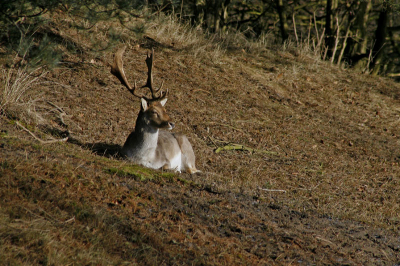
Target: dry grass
168,30
18,96
318,185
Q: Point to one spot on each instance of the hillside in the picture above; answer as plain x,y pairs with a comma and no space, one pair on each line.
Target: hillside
299,160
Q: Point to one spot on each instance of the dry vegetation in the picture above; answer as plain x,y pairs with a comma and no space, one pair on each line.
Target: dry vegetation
307,171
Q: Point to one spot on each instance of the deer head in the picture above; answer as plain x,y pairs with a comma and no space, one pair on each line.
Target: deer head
152,111
154,114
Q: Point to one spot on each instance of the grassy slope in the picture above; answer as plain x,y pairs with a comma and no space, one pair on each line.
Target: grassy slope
333,136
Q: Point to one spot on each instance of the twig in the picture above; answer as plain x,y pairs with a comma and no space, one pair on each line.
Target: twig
240,147
336,41
370,57
181,15
309,33
343,47
40,140
272,190
317,48
316,27
325,240
70,220
326,51
61,115
295,31
202,91
345,40
160,9
393,75
55,106
49,217
320,42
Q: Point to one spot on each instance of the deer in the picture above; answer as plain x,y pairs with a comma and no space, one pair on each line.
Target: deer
150,144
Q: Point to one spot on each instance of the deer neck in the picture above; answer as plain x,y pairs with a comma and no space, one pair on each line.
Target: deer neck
146,135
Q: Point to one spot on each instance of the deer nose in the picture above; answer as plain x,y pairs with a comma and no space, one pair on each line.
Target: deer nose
171,125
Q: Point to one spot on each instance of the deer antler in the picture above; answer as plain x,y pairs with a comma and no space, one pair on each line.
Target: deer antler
117,70
149,83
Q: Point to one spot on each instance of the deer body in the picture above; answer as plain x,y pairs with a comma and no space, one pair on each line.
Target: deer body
149,144
165,154
153,147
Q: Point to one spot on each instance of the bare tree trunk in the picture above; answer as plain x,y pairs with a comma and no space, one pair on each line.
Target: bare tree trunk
217,13
331,6
380,39
361,27
281,8
217,17
198,11
224,13
358,45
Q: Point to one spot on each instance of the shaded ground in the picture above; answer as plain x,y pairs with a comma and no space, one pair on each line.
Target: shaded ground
320,185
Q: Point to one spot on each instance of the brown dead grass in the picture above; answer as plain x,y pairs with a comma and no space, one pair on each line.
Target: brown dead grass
332,141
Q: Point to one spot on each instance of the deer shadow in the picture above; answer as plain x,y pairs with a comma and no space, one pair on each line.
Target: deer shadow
99,148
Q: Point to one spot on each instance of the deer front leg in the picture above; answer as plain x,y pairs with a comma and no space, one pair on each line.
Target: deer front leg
167,166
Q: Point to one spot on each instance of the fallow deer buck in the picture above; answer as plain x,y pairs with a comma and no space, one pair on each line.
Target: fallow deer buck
147,144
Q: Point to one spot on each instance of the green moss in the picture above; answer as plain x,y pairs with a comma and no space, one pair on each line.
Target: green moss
134,171
184,181
168,176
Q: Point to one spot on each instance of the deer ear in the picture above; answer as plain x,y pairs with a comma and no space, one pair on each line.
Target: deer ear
163,101
144,104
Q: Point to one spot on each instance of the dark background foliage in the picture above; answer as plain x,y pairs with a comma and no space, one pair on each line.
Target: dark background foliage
360,34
